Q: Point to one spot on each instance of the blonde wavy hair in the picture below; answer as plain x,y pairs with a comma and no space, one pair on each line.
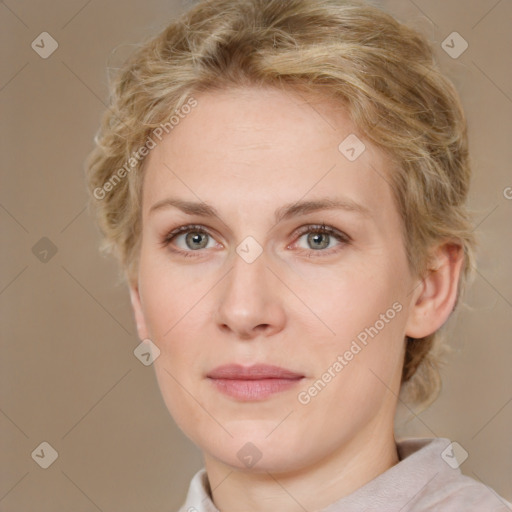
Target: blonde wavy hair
380,70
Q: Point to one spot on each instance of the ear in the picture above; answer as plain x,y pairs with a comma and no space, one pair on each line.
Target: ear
436,296
138,313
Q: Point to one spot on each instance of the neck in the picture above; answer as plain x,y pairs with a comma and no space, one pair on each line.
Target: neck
314,487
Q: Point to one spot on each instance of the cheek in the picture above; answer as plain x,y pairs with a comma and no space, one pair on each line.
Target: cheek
173,307
167,295
356,370
365,309
349,298
171,310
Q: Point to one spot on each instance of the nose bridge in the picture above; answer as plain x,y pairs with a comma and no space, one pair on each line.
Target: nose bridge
248,302
247,282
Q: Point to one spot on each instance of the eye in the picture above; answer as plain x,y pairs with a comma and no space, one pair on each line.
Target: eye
320,238
189,239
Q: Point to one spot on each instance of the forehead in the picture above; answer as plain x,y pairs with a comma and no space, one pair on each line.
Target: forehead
262,119
249,146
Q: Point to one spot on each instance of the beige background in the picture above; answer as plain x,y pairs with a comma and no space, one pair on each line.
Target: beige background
68,373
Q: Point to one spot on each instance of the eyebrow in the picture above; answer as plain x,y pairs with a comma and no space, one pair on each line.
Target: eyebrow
285,212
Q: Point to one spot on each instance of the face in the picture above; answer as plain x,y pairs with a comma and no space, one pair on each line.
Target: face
265,244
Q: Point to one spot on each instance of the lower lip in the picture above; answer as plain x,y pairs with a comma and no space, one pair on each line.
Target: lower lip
248,390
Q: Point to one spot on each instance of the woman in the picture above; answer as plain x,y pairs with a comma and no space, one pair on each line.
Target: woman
284,184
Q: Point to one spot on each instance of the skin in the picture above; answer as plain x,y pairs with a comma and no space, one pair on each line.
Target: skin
248,152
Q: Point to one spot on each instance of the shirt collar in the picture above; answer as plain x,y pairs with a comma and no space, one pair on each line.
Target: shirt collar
420,466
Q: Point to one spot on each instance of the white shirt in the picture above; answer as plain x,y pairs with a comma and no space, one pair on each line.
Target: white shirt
426,478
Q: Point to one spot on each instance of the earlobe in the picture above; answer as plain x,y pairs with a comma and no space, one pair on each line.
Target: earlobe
138,313
437,295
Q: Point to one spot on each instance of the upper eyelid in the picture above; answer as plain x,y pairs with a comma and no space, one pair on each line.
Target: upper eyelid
318,227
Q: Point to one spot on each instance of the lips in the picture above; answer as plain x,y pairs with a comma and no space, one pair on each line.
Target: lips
255,372
252,383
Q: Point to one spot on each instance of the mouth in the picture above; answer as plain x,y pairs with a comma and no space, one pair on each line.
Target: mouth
252,383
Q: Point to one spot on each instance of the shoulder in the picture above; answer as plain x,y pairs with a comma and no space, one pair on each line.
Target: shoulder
446,489
460,493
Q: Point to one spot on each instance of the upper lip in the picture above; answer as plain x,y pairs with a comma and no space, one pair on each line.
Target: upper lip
254,372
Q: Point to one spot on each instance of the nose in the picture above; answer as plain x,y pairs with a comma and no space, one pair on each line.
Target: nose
249,302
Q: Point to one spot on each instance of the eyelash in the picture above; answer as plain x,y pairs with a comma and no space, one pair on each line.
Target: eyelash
312,228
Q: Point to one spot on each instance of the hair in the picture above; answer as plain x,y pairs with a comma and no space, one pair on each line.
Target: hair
381,71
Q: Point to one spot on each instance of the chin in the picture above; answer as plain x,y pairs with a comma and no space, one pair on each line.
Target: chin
255,454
